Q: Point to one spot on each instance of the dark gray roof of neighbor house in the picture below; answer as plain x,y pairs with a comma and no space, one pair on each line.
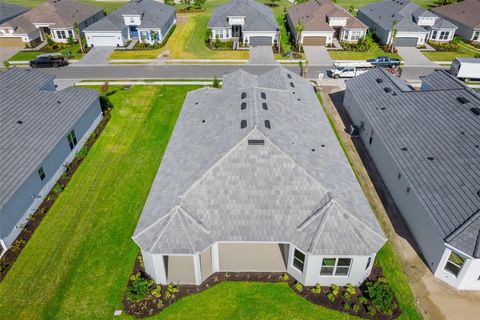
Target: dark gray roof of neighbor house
153,13
33,120
258,17
402,11
466,12
63,13
9,11
444,24
256,161
434,140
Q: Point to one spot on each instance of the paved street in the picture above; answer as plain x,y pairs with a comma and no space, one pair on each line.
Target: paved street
317,56
261,55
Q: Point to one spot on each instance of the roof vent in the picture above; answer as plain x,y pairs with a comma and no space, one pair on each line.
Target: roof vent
404,149
313,150
292,85
264,106
196,103
478,193
263,95
243,124
462,100
19,121
203,121
289,76
58,101
254,142
430,158
383,108
476,111
267,124
244,95
243,106
387,89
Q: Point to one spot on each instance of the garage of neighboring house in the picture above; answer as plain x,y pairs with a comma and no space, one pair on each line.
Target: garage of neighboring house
104,39
406,42
261,41
314,41
11,42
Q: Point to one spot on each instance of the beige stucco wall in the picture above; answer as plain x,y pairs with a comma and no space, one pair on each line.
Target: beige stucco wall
206,263
262,257
180,269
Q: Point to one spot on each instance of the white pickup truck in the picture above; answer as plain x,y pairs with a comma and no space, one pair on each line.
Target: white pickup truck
348,69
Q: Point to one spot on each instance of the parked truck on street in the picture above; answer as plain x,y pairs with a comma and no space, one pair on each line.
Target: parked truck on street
466,68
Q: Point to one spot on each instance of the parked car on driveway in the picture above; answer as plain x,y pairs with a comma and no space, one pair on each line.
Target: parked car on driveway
383,61
49,60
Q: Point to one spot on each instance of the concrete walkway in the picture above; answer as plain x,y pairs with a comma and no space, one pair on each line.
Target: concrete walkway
412,57
262,55
317,56
96,56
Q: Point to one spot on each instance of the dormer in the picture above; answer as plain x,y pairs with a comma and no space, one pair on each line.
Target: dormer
336,21
132,19
236,20
426,21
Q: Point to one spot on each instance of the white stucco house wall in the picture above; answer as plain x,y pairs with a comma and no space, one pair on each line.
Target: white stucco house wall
254,179
147,21
42,129
431,175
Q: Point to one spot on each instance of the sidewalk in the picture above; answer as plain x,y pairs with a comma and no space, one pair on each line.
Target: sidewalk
145,83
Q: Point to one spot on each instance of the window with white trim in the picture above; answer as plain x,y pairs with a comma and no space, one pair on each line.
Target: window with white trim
476,36
454,263
444,35
434,35
355,35
70,33
41,173
335,266
61,34
298,259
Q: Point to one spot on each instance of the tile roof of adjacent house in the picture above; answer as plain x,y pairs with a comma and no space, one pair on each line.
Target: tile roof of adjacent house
9,11
258,17
313,15
466,12
153,13
434,139
62,13
256,161
402,11
33,120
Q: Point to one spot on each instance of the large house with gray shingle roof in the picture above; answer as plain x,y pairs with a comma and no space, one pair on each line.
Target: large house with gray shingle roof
147,21
466,15
415,25
426,146
254,179
246,21
41,129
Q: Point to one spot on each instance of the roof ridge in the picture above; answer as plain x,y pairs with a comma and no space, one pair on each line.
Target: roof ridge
362,223
463,226
320,227
163,231
186,229
194,219
138,234
305,223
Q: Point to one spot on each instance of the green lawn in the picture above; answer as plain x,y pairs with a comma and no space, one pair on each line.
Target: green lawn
361,3
465,50
31,55
108,6
77,263
373,52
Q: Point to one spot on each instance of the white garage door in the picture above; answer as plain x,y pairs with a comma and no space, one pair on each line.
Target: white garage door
104,41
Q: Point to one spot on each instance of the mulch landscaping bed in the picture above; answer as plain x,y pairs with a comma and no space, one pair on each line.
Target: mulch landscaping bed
36,218
152,305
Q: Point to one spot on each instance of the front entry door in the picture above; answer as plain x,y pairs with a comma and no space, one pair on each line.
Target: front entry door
236,31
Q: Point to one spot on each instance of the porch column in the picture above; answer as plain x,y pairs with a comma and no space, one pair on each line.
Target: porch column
197,269
155,267
215,258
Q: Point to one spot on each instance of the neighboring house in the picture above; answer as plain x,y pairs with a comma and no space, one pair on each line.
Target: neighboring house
9,11
322,21
148,21
54,18
464,14
415,25
247,21
254,179
425,144
41,129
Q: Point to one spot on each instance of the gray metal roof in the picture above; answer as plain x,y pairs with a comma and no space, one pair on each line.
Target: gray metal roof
46,115
403,11
298,187
9,11
431,123
258,17
153,13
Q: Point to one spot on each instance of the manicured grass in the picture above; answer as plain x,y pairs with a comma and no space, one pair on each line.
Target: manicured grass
31,55
248,300
361,3
108,6
77,263
373,52
465,50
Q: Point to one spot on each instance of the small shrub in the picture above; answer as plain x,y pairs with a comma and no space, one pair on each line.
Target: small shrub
381,295
371,311
347,296
356,308
227,275
82,153
330,297
18,244
317,289
105,103
216,83
57,188
138,287
157,292
171,290
298,287
140,260
104,87
160,304
334,289
351,289
284,277
362,300
346,306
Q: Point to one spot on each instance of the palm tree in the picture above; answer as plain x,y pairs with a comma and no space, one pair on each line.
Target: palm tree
76,30
394,34
298,31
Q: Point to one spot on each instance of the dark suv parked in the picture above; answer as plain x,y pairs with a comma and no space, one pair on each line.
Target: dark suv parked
45,61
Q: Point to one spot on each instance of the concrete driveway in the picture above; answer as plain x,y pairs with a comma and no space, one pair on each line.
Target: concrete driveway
7,52
96,56
412,57
261,55
317,56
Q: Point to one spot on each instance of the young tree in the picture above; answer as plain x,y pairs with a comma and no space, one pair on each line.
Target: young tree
393,35
216,83
298,31
351,8
78,35
154,35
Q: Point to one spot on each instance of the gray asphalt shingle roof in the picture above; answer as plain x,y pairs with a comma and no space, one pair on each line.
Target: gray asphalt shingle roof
47,116
258,17
214,185
431,123
9,11
153,13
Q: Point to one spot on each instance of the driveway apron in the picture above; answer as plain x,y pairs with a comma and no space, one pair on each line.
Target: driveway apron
261,55
412,57
317,56
96,56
